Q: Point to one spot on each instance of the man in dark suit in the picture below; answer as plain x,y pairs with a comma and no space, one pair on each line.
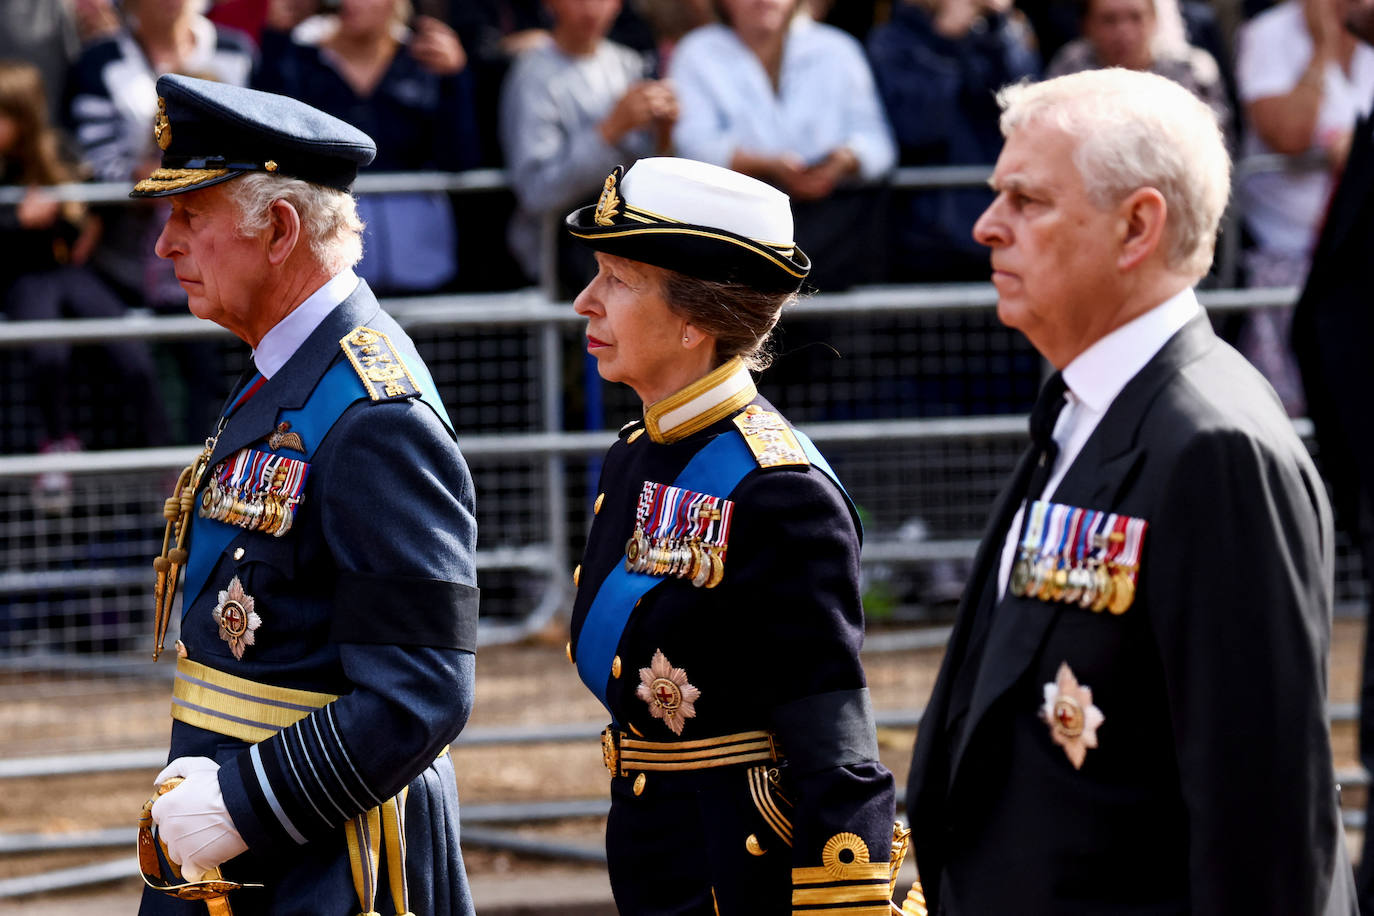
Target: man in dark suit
1333,330
1130,717
327,532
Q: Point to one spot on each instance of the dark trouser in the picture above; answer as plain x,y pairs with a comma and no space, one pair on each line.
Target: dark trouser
679,847
75,292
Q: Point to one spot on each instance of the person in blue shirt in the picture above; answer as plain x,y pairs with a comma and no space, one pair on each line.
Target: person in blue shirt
406,82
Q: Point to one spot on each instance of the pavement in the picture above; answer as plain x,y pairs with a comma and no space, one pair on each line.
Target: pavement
583,891
570,891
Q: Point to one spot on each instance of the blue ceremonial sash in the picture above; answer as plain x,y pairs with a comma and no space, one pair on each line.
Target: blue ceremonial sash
338,388
716,470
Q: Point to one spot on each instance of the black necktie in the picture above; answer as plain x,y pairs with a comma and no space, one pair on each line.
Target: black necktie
1043,416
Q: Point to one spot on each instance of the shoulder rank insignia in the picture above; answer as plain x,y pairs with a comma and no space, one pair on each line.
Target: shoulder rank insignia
1069,711
378,364
770,438
255,490
680,533
1078,556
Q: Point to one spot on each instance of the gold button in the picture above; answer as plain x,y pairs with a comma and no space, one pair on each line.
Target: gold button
568,649
635,435
752,844
577,573
596,507
238,553
615,666
640,780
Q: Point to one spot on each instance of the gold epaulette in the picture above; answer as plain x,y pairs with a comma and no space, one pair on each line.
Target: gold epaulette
770,438
383,372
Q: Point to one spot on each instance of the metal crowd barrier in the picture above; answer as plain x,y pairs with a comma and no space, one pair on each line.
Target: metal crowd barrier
550,447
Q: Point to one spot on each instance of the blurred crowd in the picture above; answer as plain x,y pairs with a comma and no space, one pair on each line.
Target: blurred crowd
818,98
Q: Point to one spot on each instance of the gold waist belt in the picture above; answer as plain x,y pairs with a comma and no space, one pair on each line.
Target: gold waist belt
236,706
621,753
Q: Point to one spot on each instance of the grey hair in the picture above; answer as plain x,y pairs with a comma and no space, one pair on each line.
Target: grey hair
1137,130
329,218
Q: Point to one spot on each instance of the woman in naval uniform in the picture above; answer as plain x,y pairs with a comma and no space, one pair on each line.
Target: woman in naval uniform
717,613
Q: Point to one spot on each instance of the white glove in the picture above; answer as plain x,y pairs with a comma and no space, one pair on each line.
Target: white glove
192,820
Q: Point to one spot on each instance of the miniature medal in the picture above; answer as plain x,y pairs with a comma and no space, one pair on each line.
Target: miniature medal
236,618
680,533
666,690
1073,719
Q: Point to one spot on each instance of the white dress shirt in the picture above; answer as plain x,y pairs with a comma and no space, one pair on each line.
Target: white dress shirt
286,336
1094,379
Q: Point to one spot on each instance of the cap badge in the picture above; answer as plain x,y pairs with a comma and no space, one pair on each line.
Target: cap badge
162,128
668,693
236,618
608,202
1073,719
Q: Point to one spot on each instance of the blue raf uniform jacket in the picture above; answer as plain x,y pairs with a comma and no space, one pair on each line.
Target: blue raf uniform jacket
365,625
742,747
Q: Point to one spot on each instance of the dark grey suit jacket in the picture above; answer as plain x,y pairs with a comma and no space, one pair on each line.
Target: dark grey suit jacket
1211,790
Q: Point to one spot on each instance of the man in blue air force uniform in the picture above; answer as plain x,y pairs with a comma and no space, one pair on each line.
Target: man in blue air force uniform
327,537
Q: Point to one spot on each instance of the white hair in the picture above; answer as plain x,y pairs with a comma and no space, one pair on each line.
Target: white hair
1137,130
329,218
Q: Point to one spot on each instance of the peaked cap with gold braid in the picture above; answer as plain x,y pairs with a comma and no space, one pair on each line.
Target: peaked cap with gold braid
698,219
211,132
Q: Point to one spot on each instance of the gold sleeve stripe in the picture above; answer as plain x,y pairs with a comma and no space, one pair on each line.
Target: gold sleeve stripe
819,874
883,908
237,707
852,893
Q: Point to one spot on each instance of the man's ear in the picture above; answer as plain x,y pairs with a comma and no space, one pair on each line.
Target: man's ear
1144,213
284,232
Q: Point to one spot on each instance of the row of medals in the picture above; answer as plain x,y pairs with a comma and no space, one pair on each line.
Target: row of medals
271,512
689,558
1096,584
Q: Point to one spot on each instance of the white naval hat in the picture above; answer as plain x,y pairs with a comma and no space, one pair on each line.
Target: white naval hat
698,219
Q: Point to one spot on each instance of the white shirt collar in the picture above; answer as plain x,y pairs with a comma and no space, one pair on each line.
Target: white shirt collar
280,343
1097,375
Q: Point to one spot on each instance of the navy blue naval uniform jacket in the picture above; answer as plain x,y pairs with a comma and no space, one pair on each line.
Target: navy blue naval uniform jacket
370,596
775,646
